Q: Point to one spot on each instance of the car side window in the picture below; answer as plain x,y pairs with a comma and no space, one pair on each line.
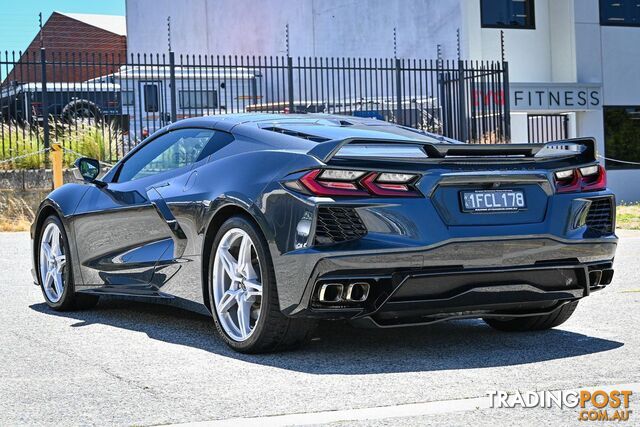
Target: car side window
219,140
173,150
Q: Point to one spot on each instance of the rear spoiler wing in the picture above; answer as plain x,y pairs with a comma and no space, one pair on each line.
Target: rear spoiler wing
584,149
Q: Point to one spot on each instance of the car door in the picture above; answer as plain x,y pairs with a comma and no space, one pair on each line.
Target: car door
185,198
124,228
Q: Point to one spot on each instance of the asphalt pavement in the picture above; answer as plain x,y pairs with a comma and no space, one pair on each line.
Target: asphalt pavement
130,363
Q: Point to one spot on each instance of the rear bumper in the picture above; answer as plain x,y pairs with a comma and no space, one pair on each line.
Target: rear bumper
409,237
433,296
484,278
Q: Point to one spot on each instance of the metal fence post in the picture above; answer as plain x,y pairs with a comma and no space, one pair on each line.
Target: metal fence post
290,83
465,100
462,108
172,85
507,101
45,101
399,118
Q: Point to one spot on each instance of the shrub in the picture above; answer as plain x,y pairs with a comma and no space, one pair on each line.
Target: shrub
96,140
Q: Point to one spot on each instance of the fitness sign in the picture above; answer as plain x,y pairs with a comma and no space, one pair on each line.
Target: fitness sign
555,96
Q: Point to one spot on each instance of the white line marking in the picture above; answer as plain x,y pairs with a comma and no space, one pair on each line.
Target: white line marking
380,412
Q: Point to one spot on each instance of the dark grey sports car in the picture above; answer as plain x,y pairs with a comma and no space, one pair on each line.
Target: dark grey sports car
271,222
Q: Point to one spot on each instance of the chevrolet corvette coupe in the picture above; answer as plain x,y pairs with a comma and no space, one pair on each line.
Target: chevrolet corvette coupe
269,223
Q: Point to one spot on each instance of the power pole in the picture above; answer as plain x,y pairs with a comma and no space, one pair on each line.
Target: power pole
286,39
395,43
172,74
40,25
169,32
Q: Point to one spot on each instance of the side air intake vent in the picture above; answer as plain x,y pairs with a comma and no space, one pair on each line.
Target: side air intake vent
297,134
600,217
338,224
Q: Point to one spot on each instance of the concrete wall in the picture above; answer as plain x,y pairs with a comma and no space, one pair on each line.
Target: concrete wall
31,179
544,54
316,27
562,40
590,123
519,128
588,41
610,55
621,65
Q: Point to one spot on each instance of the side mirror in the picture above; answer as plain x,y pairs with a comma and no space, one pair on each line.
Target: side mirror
88,169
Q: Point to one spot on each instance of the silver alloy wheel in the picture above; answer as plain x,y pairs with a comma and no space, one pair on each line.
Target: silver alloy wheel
237,287
52,262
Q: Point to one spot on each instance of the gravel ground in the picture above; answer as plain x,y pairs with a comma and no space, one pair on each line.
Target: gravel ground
127,363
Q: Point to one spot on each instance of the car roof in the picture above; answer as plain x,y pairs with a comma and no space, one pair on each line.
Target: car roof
311,128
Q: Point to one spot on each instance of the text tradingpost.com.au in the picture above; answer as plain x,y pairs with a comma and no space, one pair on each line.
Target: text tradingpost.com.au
592,405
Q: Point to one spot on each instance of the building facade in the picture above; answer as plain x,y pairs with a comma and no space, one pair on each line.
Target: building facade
69,38
572,63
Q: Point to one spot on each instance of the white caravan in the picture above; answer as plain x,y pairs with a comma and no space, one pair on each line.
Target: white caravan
146,95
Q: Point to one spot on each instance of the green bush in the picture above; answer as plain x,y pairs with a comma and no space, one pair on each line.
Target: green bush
19,142
88,139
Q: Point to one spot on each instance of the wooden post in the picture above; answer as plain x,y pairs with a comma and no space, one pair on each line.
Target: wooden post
56,163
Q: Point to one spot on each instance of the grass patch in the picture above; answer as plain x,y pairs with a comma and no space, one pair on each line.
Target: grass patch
15,212
89,139
628,217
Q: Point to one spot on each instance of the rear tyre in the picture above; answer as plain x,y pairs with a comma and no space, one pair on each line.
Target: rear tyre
81,109
534,323
243,295
55,272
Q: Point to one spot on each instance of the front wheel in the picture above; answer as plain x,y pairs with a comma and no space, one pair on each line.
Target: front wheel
55,274
242,292
534,323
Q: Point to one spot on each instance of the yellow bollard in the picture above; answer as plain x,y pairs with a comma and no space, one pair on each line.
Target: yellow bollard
56,163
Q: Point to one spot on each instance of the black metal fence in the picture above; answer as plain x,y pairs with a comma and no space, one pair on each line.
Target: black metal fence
103,105
547,127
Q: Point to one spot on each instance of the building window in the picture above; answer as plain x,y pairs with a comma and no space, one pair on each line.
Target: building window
622,136
128,98
198,99
507,14
151,98
620,12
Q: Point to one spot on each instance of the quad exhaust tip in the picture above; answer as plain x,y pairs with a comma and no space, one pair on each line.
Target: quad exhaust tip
357,292
331,292
337,292
594,277
600,277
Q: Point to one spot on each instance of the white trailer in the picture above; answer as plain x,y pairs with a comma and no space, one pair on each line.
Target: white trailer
146,95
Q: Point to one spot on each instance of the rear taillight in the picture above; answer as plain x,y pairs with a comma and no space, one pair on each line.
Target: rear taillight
330,187
588,178
593,178
336,182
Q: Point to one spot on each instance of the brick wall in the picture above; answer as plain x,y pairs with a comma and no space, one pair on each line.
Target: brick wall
67,40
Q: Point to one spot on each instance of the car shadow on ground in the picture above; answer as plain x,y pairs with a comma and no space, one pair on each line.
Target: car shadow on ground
338,348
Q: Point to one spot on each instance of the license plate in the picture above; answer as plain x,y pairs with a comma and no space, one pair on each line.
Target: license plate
493,200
